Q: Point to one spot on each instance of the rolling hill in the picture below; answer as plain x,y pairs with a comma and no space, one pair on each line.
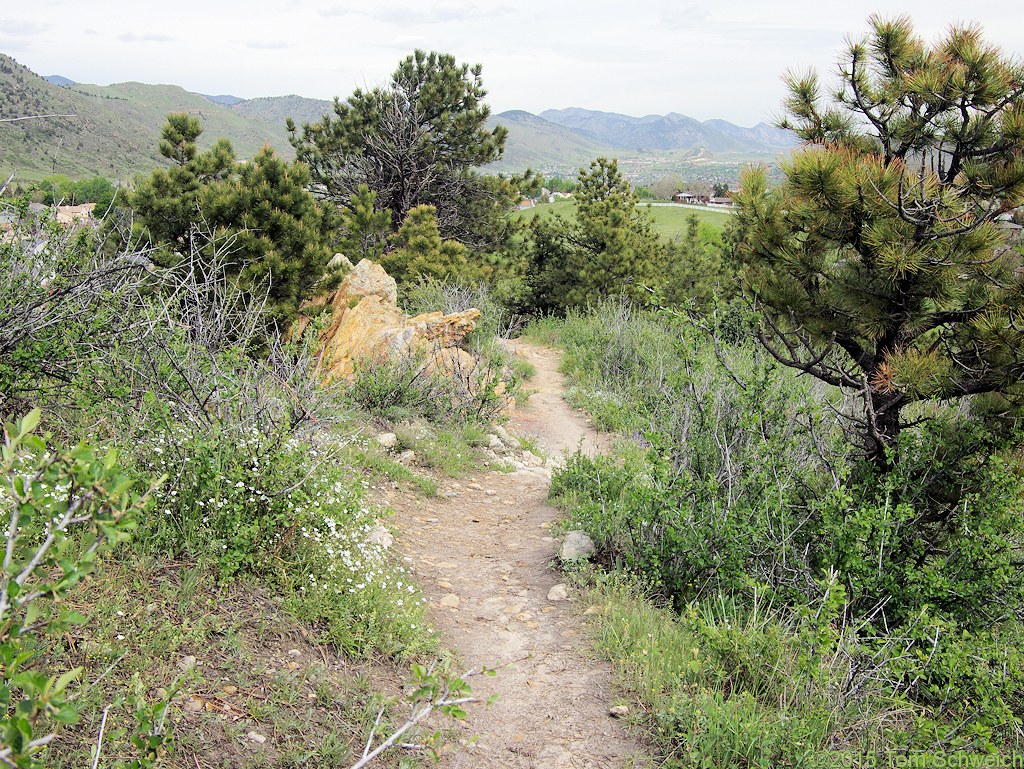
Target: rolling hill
277,109
107,130
113,131
536,143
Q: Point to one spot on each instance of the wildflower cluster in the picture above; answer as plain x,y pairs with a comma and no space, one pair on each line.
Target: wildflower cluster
233,498
351,582
269,504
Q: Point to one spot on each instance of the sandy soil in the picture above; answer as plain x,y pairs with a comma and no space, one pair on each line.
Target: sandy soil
484,558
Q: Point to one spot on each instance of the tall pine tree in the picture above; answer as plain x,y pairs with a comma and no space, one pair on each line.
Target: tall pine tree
418,141
610,249
880,263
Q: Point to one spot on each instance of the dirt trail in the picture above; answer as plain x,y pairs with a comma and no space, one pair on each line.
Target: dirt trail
483,558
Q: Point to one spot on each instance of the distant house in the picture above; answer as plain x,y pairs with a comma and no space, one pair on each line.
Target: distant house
690,198
720,201
524,204
75,214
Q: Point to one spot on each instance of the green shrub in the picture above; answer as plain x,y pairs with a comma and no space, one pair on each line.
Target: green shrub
62,508
709,490
65,306
732,478
402,388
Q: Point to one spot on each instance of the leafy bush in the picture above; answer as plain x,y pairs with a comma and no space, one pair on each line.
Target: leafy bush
402,388
63,509
405,387
732,478
709,488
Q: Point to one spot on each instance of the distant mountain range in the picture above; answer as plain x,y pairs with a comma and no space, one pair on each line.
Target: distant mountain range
672,132
113,131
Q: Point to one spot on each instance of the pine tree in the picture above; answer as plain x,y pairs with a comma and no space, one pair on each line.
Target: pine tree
880,264
420,252
365,227
416,142
610,250
695,274
279,234
168,205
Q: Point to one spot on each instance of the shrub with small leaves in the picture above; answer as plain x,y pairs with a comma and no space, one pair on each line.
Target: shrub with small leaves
63,508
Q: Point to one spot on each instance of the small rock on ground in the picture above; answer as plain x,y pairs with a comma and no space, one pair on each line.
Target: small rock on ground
532,459
387,440
379,535
577,545
559,592
450,601
506,437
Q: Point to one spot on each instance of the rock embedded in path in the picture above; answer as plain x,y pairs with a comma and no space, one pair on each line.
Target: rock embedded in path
379,535
506,437
495,444
450,601
618,711
577,545
532,459
559,592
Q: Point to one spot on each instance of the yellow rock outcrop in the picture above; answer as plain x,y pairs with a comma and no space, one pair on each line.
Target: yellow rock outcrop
368,326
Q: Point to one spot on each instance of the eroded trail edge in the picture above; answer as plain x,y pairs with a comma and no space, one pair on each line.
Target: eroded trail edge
482,552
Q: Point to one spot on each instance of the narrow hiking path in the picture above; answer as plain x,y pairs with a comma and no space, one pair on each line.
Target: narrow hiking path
482,552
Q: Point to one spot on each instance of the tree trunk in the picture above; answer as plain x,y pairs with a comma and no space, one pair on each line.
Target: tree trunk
883,428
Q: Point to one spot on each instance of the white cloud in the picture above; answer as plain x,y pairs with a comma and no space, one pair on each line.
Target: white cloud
23,28
268,45
144,37
640,57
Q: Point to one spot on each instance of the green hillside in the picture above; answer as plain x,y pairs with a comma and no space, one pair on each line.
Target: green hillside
543,146
113,131
277,109
148,106
107,130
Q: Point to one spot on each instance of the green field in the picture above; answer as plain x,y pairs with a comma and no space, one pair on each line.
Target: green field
669,221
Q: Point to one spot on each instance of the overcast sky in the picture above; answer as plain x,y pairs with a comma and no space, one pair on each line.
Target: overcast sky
721,60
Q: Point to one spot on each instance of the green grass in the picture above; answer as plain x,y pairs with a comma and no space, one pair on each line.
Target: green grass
452,450
669,221
522,369
379,464
256,669
720,685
